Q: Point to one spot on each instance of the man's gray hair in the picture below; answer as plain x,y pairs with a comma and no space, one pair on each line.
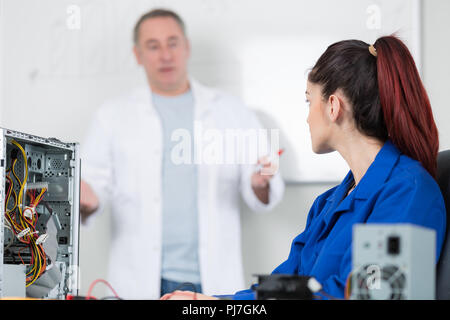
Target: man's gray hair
157,13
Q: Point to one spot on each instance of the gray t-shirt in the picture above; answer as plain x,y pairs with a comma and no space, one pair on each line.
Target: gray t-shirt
179,193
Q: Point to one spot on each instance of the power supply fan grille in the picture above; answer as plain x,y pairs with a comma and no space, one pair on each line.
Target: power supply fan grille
390,285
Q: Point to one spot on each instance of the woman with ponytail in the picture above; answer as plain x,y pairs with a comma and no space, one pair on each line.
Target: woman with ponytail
368,103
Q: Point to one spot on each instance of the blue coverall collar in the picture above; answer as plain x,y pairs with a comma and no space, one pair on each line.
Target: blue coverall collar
377,173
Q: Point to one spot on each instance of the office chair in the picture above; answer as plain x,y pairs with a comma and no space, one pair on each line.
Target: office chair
443,266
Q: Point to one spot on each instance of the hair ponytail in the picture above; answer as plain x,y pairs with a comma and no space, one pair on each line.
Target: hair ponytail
388,98
405,104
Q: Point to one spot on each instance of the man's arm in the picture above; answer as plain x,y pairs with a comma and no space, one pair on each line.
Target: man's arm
96,169
89,202
261,180
263,189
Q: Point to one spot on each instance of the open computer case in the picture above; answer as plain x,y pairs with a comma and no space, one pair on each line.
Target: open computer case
39,220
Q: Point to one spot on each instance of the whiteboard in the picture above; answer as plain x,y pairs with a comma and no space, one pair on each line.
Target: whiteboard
61,59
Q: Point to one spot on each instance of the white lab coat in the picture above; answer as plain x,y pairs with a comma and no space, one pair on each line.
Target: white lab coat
121,160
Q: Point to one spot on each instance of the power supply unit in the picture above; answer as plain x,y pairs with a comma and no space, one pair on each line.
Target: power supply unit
39,220
393,262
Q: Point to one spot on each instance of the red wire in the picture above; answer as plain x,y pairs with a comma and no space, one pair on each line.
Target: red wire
18,253
88,296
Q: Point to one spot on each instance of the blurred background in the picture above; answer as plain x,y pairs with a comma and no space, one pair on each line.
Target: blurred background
60,60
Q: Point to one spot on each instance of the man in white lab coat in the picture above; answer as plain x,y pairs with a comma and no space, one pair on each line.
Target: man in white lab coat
174,201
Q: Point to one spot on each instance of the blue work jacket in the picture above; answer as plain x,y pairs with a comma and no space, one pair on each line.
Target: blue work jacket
395,189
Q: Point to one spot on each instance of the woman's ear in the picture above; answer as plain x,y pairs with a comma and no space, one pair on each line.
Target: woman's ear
335,107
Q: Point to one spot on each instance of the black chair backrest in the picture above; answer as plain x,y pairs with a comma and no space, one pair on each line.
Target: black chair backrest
443,266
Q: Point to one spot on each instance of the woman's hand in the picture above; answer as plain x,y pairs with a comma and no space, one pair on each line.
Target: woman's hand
186,295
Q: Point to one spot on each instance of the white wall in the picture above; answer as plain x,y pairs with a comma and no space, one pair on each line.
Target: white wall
71,55
266,238
436,63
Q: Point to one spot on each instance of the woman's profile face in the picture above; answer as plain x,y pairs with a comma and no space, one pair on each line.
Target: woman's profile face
318,123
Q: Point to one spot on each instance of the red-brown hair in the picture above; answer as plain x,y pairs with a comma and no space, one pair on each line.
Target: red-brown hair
405,103
388,98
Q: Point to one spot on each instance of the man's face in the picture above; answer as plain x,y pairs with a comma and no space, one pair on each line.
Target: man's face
163,51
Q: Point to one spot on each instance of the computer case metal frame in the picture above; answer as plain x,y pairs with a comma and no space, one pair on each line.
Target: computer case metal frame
69,283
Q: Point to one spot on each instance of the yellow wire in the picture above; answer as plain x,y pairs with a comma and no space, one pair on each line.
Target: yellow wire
15,202
40,195
33,277
15,205
36,271
14,173
15,194
34,265
25,178
14,224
